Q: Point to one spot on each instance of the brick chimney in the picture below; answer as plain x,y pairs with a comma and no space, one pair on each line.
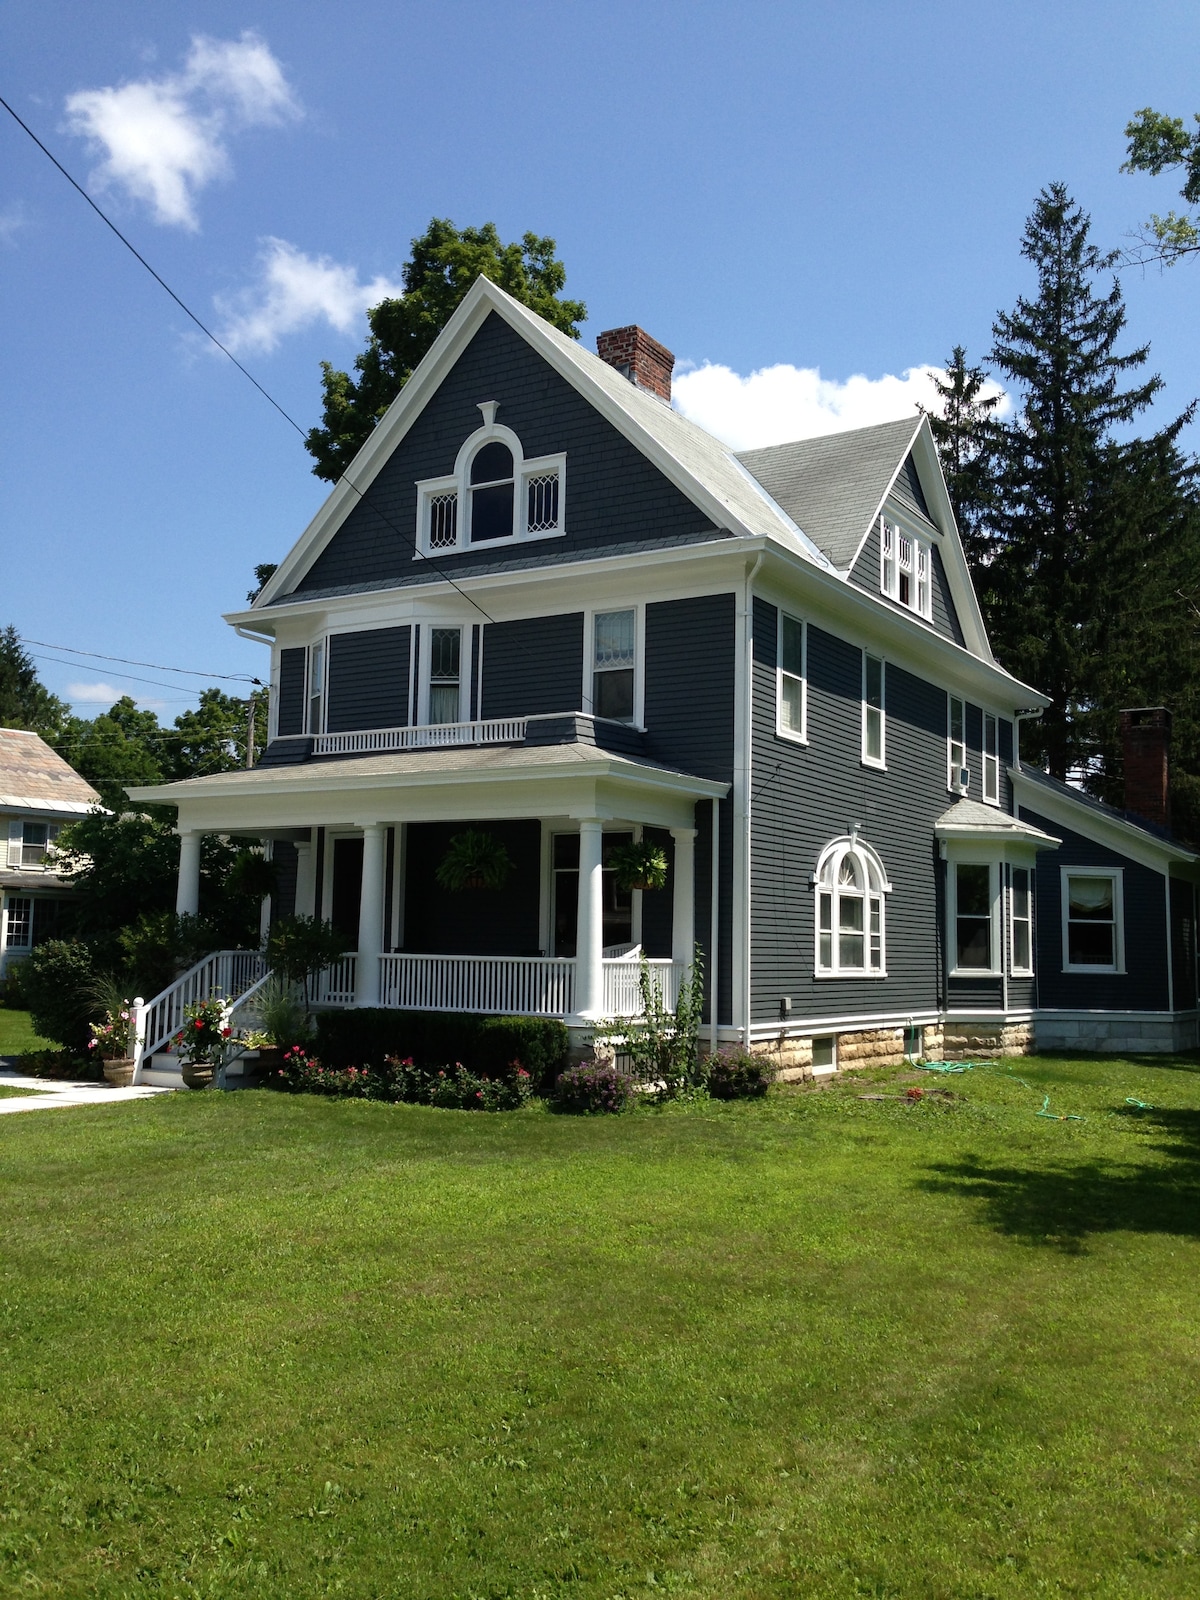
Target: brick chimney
1146,739
639,358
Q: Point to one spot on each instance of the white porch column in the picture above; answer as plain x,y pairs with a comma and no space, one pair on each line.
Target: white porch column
306,879
187,896
683,897
370,915
589,927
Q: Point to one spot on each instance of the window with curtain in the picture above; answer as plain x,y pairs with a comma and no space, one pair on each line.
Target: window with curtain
445,674
614,659
1092,921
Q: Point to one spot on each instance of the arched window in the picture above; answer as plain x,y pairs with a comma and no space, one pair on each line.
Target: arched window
492,492
496,493
851,884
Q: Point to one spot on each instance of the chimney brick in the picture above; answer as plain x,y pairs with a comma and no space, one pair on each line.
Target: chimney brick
1145,740
640,358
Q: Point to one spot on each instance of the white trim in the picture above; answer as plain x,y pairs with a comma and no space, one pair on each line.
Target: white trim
1115,876
1014,970
956,768
990,759
638,607
1114,833
791,734
873,894
879,761
894,527
425,661
995,968
459,483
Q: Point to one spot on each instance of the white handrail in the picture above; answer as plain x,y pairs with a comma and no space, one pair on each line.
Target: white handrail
229,973
531,986
436,736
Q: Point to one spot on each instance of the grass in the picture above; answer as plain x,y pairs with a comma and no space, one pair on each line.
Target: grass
17,1033
257,1345
9,1092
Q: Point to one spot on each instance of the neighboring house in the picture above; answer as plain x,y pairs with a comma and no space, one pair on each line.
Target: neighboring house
544,604
39,792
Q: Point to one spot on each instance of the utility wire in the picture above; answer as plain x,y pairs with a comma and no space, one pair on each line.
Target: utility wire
207,331
157,666
132,677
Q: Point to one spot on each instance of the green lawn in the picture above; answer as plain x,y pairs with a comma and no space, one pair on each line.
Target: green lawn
265,1346
8,1092
17,1033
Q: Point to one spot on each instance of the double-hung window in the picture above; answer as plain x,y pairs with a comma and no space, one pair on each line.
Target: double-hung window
874,739
791,688
958,776
1021,922
445,675
974,919
850,884
316,687
18,922
30,843
991,759
1092,920
614,665
905,568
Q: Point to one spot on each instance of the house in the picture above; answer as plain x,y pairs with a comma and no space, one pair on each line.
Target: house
543,604
39,792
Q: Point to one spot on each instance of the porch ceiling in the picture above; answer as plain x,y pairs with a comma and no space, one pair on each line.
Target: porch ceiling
572,780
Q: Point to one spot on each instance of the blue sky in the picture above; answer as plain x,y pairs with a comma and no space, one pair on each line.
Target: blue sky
783,190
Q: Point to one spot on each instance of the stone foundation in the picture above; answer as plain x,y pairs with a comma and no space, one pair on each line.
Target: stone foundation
933,1041
792,1057
984,1041
1116,1035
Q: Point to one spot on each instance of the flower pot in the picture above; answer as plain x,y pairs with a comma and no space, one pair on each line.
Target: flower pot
119,1072
270,1057
197,1074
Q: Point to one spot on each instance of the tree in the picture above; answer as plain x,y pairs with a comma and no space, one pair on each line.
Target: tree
1052,519
1157,142
24,700
445,263
213,737
962,429
121,747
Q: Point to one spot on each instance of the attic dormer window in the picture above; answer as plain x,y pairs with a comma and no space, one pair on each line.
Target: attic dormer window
495,494
906,568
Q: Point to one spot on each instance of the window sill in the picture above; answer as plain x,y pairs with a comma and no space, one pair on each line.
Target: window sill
825,977
1096,972
876,766
431,554
791,738
1020,972
976,972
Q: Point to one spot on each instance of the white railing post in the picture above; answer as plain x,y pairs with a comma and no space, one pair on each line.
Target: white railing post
589,928
137,1035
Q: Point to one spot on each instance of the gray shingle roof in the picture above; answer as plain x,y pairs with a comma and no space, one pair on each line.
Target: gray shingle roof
832,486
971,816
34,778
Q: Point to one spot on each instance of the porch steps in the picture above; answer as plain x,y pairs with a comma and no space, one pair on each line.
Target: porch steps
162,1071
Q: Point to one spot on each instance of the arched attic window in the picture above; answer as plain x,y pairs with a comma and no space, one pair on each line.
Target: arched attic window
851,883
494,494
491,492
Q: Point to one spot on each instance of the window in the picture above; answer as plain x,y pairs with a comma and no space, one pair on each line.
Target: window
905,568
19,935
445,674
873,744
30,844
824,1055
1092,931
443,521
850,883
617,903
614,659
973,900
958,777
492,473
316,687
791,695
1021,916
991,759
493,494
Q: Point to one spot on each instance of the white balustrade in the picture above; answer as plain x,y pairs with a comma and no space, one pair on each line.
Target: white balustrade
531,986
623,985
227,973
335,986
433,736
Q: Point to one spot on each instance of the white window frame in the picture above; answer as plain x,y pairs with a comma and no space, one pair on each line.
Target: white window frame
1013,920
1116,876
797,736
27,943
459,483
995,968
957,761
874,894
991,758
903,550
879,761
318,651
639,658
425,649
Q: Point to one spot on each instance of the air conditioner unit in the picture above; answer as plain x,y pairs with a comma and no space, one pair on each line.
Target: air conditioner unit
964,779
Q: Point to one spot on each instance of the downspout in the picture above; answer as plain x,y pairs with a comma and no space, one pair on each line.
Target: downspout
746,623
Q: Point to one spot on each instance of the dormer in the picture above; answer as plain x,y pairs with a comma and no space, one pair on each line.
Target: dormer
494,495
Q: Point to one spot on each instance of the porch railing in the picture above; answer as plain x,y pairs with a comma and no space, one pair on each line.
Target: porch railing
226,972
623,989
435,736
335,986
531,986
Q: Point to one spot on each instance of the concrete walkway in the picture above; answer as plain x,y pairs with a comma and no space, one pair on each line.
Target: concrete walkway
51,1093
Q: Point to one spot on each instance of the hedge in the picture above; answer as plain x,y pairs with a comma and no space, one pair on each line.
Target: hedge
484,1045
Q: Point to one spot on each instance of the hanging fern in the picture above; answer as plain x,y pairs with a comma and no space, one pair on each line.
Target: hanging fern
640,865
474,860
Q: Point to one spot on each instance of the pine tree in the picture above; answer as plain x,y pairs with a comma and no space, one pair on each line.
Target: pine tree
1055,464
25,702
962,429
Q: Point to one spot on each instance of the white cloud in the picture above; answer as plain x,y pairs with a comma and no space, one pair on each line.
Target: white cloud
784,402
162,139
12,220
293,291
103,694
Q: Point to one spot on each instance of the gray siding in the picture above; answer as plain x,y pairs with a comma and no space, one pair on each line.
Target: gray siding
1183,943
291,691
613,494
532,666
368,680
283,901
864,574
805,795
1143,986
689,724
907,489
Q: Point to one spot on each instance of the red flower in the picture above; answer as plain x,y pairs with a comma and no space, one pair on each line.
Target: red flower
225,1032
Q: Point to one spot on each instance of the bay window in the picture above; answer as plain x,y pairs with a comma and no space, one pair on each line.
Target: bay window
973,918
1021,922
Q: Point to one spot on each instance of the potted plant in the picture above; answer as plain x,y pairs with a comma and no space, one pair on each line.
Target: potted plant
640,865
474,859
202,1042
112,1044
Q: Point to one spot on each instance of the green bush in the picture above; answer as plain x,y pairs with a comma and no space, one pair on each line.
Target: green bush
60,986
14,987
486,1046
594,1086
738,1075
450,1087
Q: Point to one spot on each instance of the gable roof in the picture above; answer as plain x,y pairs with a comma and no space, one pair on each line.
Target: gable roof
970,819
34,778
700,466
833,486
1121,831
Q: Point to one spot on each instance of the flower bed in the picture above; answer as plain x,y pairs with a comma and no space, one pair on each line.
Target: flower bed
451,1087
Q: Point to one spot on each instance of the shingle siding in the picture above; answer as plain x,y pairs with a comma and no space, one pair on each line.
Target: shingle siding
612,493
532,666
368,680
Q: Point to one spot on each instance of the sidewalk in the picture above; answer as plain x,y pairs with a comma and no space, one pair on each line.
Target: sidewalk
51,1093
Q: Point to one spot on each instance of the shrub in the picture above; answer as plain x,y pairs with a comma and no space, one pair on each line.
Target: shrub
486,1046
593,1086
738,1075
60,984
663,1046
451,1087
14,987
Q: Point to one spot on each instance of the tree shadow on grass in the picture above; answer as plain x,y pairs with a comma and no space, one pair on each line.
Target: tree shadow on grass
1063,1204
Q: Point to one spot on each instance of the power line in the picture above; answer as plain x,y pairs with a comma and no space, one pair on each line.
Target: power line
39,655
157,666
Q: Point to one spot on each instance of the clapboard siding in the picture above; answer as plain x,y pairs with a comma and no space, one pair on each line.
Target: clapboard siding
283,900
368,680
612,496
1143,986
290,718
689,724
806,795
1183,943
532,666
865,574
907,490
656,903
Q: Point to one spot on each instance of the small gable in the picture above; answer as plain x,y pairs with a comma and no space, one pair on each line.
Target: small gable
867,574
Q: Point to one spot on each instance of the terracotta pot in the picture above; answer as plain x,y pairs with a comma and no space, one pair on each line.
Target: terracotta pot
119,1073
270,1057
197,1074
